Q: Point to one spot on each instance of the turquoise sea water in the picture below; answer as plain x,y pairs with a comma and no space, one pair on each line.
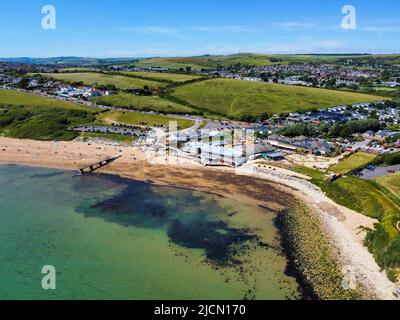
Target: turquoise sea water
112,238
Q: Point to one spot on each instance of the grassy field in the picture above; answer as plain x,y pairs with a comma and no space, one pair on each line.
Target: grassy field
388,59
135,118
91,78
176,63
146,103
172,77
374,200
236,98
360,195
353,162
76,69
108,136
42,123
29,116
245,59
8,97
391,182
249,59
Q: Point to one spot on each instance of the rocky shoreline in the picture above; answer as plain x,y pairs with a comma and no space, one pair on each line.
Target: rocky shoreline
311,259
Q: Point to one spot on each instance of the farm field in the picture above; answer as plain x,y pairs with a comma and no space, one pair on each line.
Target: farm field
145,103
77,69
177,63
246,59
353,162
391,182
9,97
389,59
266,60
172,77
135,118
91,78
236,98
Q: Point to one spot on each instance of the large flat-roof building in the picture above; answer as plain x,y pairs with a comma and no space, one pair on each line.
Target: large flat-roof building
229,155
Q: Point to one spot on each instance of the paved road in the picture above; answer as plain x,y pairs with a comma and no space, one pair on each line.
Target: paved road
378,172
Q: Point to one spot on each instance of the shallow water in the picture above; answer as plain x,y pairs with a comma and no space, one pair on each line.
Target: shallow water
112,238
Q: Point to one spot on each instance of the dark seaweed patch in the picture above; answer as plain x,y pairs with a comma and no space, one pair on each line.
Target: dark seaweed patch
190,220
47,175
219,241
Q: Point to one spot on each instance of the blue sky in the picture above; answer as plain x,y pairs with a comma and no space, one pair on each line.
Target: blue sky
141,28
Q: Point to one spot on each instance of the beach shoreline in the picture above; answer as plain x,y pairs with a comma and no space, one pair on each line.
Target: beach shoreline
246,184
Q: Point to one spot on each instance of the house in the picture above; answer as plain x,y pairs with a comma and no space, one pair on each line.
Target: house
92,92
281,143
316,146
368,135
383,134
33,83
275,156
321,147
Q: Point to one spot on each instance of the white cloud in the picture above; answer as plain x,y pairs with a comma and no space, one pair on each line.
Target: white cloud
121,53
293,25
382,29
151,29
305,46
300,46
225,29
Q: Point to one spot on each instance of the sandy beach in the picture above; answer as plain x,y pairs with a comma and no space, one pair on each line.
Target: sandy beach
269,187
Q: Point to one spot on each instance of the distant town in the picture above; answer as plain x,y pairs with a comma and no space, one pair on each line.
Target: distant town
374,127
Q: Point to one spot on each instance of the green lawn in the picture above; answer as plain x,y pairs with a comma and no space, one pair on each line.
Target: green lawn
353,162
236,98
172,77
135,118
108,136
195,63
154,103
364,196
42,122
391,182
247,59
8,97
91,78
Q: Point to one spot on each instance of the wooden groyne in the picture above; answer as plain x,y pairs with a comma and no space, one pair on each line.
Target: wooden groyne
95,166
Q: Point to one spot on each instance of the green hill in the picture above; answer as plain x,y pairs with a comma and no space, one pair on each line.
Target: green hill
16,98
91,78
236,98
245,59
169,77
154,103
